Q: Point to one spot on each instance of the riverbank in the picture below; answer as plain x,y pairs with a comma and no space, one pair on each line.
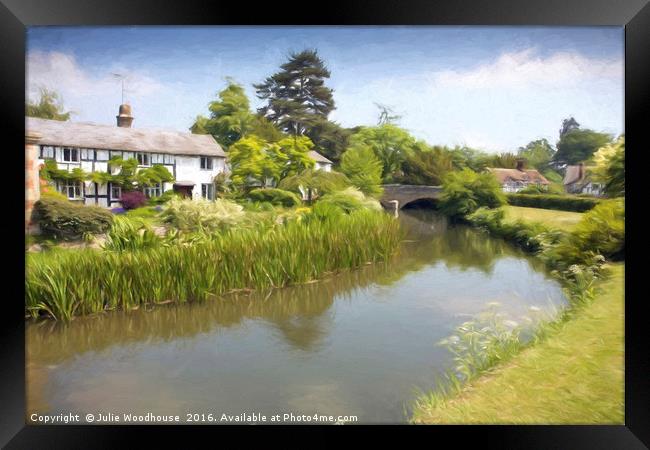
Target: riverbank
560,220
574,376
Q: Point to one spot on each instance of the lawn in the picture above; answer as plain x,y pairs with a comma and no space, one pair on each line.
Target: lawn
563,220
575,376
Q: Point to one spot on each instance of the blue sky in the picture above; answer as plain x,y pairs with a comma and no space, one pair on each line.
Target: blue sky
495,88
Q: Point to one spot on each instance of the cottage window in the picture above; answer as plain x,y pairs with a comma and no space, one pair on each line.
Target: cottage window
70,155
47,152
71,189
169,159
206,163
143,159
153,191
101,155
207,191
116,192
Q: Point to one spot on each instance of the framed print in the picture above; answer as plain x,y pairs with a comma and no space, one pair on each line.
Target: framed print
403,216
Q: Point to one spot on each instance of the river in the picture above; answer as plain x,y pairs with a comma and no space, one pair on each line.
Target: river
360,343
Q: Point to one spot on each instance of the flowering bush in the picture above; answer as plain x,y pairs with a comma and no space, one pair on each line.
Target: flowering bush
133,199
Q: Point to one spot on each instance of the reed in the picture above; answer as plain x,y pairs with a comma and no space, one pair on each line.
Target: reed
63,284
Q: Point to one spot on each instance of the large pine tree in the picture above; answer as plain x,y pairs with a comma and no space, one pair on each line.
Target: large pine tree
296,96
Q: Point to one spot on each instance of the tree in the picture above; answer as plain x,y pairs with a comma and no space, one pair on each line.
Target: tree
389,143
538,154
386,115
330,138
297,151
568,125
296,95
425,165
315,182
464,191
609,167
579,145
363,169
49,106
255,161
504,160
230,116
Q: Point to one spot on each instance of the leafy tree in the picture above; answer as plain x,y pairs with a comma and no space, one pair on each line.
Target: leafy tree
330,138
129,177
538,154
425,165
315,182
568,125
297,151
465,191
363,169
255,161
230,116
49,106
389,143
504,160
610,167
263,128
579,145
296,95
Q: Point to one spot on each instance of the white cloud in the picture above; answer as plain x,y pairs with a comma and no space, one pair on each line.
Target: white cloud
81,89
527,69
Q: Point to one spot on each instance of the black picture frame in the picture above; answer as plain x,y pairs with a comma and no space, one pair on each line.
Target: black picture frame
16,15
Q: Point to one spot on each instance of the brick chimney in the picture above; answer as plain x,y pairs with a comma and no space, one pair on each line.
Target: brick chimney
124,118
520,164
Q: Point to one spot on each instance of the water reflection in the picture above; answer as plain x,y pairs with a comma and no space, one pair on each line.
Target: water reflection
367,335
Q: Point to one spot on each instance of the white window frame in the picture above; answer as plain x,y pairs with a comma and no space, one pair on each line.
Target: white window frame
119,190
74,186
207,191
144,155
153,191
47,152
209,163
71,151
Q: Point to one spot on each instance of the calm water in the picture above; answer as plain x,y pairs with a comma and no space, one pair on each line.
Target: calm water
359,343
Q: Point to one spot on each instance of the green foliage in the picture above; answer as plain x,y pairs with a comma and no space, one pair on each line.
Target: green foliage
296,96
277,197
363,169
230,116
330,138
128,234
296,149
553,201
253,161
389,143
153,175
50,193
49,106
202,214
63,219
465,191
579,145
610,167
538,154
600,232
315,182
504,160
346,201
164,197
64,284
425,165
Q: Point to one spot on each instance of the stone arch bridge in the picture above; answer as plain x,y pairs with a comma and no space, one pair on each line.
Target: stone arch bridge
405,194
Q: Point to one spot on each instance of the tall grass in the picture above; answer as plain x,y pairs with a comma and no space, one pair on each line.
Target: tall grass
63,284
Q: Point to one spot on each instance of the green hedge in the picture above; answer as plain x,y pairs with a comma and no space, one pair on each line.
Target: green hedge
550,201
277,197
63,219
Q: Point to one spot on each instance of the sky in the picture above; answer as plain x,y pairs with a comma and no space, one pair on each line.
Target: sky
493,88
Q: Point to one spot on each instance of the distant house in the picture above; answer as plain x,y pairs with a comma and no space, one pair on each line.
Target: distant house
578,180
322,163
514,180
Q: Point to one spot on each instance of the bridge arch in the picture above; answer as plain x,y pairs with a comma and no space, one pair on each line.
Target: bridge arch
406,195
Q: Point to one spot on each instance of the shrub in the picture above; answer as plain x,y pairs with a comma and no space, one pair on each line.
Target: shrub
49,192
130,234
363,169
600,232
349,200
465,191
277,197
66,220
202,214
133,199
164,198
553,201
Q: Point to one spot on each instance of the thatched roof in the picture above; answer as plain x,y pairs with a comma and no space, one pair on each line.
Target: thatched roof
576,174
318,157
107,137
525,176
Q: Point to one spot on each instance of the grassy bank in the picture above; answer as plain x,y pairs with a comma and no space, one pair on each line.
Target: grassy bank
560,220
575,375
63,284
